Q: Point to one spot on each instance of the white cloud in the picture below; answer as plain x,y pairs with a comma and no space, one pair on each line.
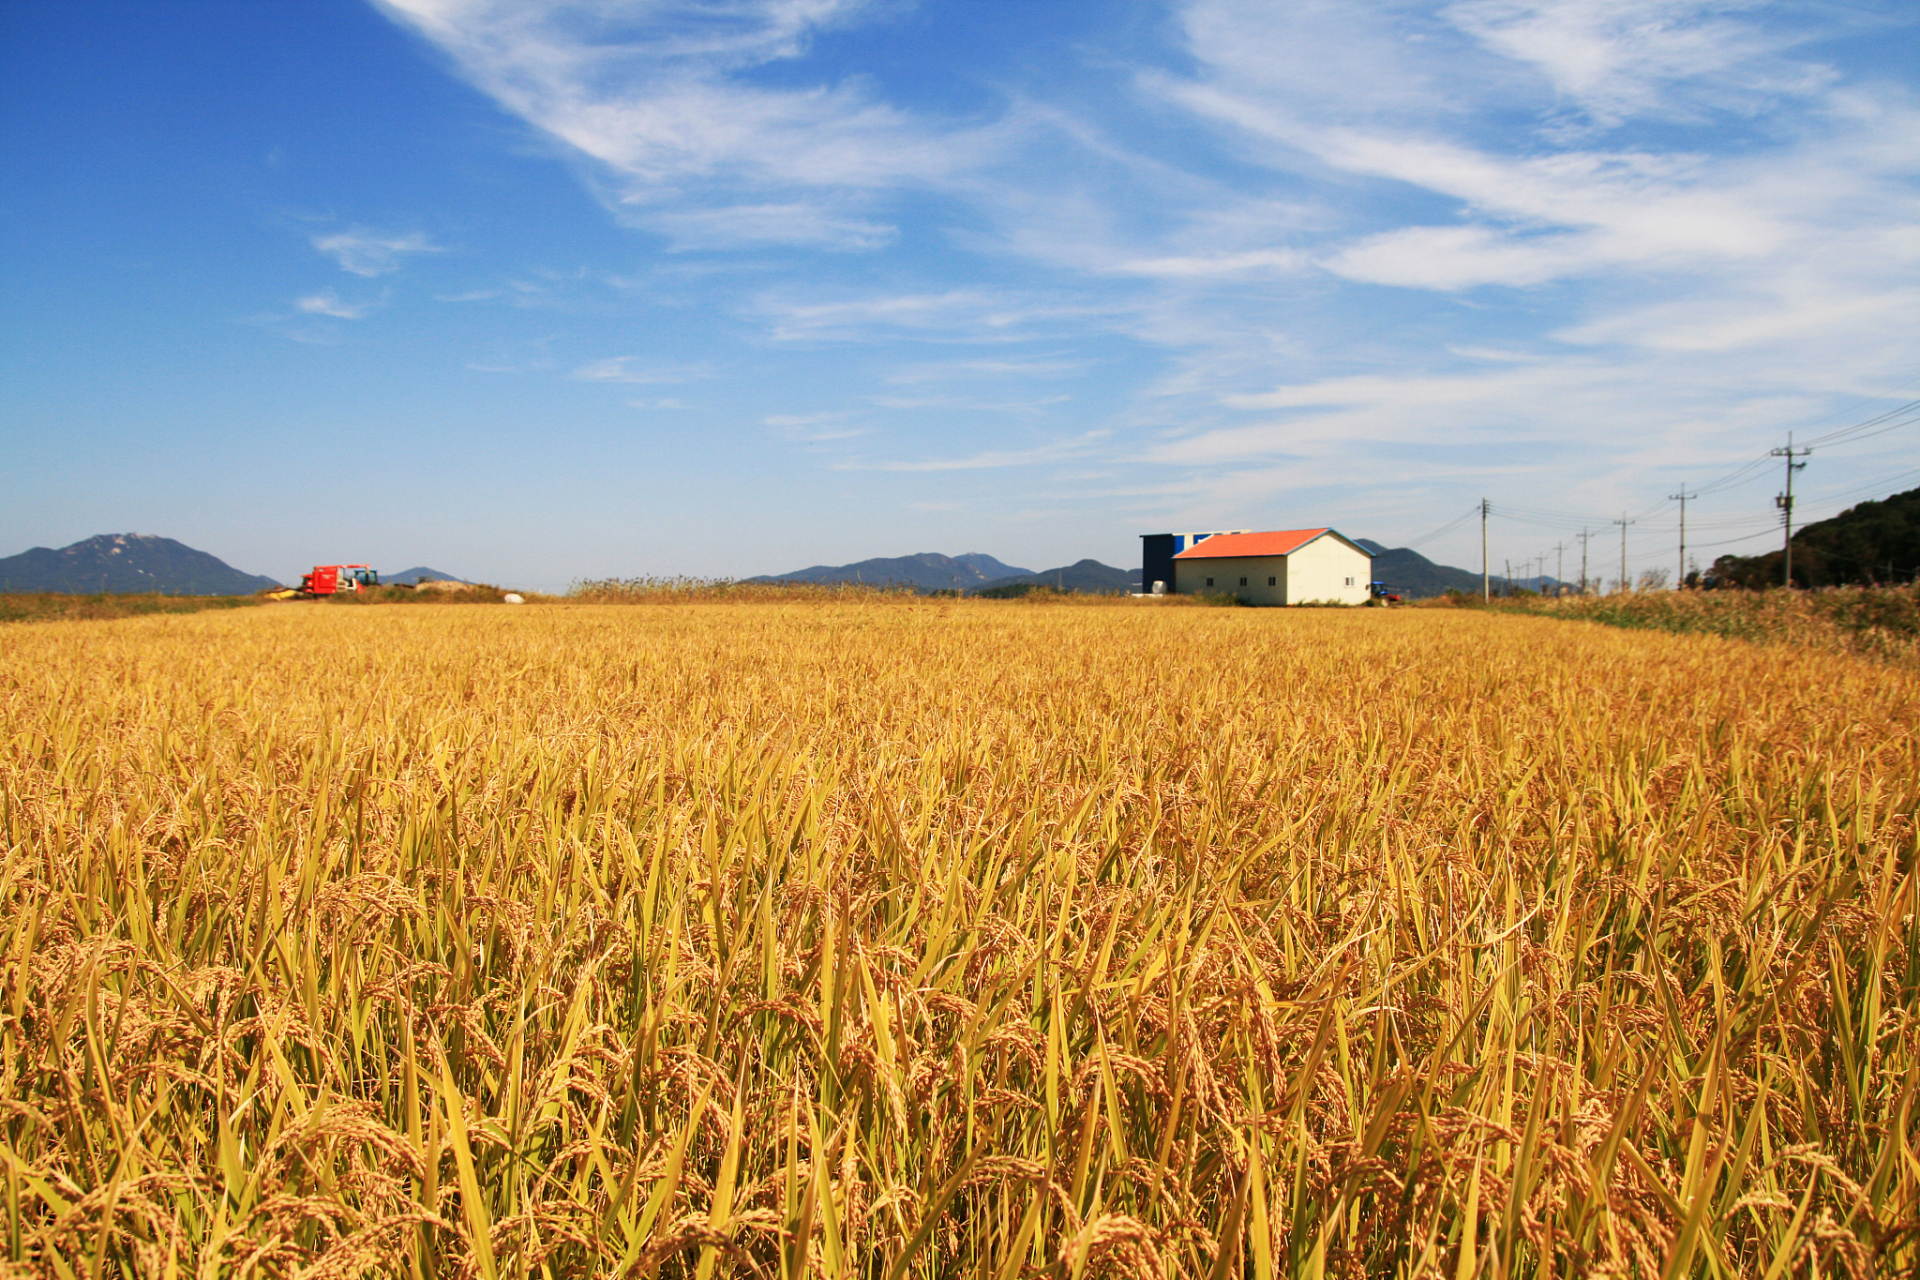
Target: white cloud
972,315
1042,366
1253,263
1056,451
1025,408
370,253
1616,59
793,223
629,369
1345,241
661,93
328,303
812,428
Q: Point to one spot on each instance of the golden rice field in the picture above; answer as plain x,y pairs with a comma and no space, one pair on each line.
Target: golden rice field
880,938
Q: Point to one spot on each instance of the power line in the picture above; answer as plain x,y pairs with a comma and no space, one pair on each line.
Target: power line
1858,431
1443,530
1562,521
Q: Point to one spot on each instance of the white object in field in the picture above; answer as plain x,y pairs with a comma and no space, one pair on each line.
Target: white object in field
1159,587
512,597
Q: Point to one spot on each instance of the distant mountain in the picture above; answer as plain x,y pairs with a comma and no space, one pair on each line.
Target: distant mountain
124,563
418,574
928,571
1873,542
1088,576
1408,573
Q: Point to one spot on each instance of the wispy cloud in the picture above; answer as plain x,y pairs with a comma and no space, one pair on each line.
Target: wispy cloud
1025,408
632,369
801,223
664,96
1056,451
1037,366
328,303
974,315
1617,59
1315,243
1253,263
813,428
372,253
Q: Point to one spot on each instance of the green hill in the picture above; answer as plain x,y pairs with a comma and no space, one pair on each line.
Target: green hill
928,571
1410,574
1086,576
1875,542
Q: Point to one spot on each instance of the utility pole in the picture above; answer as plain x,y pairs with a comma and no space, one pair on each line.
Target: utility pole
1785,501
1560,569
1508,575
1486,592
1584,535
1681,498
1623,522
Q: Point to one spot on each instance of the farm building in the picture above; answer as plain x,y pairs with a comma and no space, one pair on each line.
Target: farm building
1157,551
1291,566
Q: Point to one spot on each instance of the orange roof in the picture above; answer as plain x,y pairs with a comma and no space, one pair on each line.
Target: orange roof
1279,542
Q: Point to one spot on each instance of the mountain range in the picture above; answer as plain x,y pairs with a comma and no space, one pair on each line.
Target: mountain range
124,563
132,562
139,563
1406,573
1088,576
928,571
418,574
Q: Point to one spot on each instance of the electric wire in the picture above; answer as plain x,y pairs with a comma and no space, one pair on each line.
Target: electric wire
1561,521
1443,530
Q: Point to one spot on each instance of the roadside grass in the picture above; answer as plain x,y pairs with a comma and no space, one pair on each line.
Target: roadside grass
891,937
468,593
1875,622
689,590
734,591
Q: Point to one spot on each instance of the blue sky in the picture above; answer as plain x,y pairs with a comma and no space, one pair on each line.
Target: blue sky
544,290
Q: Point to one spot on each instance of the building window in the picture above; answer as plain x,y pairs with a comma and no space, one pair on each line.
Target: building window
1243,582
1209,581
1273,582
1349,581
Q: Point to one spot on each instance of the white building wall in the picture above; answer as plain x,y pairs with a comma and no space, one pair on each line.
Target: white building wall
1190,577
1328,569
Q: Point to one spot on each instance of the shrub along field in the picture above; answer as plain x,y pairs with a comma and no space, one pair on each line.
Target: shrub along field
40,606
901,938
1873,622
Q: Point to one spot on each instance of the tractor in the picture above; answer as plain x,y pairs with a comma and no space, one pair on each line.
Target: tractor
330,580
